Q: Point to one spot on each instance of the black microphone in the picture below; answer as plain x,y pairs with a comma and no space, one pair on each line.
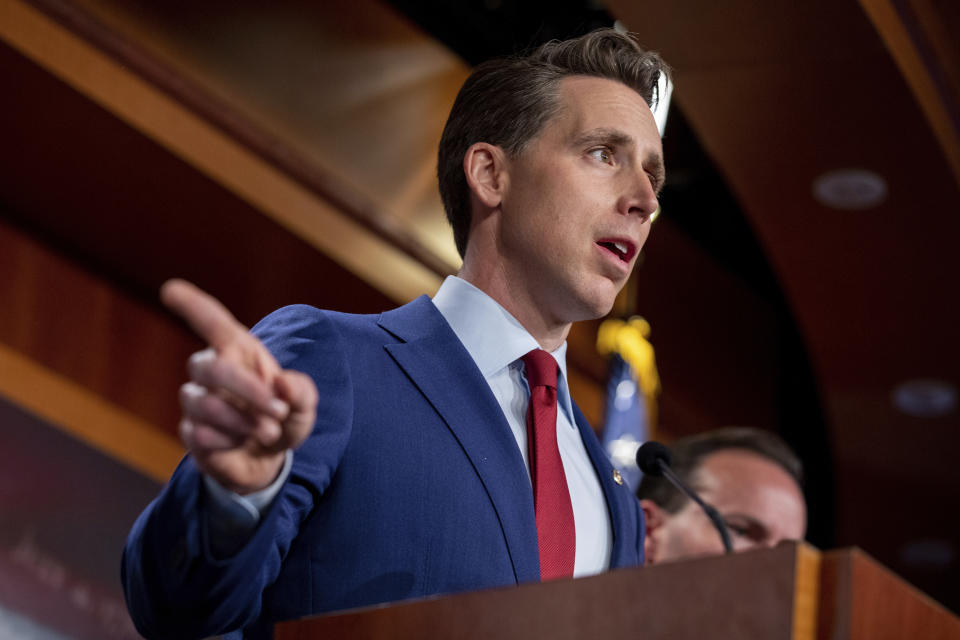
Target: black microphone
654,459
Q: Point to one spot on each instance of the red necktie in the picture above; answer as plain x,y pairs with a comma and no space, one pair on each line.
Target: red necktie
556,535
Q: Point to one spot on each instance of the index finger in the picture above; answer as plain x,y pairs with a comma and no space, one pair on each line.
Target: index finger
204,313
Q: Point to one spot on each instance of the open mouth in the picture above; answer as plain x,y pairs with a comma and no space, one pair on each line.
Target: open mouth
622,249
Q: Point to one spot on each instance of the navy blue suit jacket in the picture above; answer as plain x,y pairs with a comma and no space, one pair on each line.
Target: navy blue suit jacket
411,484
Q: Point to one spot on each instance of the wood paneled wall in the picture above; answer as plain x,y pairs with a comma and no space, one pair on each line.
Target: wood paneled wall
88,357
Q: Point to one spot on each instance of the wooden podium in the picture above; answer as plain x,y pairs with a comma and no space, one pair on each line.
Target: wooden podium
790,592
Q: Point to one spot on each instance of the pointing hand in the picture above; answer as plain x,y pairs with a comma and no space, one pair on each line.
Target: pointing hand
241,411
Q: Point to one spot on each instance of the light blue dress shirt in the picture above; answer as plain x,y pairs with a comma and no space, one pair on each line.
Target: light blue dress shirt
496,342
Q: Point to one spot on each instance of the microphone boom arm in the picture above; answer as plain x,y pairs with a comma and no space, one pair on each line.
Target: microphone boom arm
718,522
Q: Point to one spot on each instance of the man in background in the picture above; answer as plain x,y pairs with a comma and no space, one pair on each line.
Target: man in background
750,476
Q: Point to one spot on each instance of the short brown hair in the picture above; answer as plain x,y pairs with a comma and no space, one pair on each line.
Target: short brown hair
506,102
688,454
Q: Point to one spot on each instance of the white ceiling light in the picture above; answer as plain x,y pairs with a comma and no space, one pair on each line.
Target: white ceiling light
662,107
664,92
925,398
850,189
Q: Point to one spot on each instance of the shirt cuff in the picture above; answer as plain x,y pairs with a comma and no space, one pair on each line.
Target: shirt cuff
231,518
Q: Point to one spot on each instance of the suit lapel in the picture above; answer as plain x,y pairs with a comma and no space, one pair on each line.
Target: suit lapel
622,521
438,364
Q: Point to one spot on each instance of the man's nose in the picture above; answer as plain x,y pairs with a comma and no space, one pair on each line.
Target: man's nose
640,198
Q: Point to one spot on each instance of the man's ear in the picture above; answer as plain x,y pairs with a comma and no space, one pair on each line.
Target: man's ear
654,518
484,166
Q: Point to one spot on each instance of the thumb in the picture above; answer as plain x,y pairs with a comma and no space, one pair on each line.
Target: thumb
300,393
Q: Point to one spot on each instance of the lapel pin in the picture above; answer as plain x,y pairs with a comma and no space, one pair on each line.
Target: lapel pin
617,477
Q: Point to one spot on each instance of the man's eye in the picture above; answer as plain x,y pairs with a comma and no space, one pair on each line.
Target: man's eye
603,155
752,531
739,528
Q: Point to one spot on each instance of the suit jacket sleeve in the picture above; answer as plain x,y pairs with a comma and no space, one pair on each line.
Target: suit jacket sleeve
174,586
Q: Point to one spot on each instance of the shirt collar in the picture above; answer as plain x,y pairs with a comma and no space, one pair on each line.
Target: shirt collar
491,335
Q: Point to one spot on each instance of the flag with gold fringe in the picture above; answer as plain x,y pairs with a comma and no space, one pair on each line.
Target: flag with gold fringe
632,391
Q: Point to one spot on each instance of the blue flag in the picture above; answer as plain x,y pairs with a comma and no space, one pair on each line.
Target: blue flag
626,424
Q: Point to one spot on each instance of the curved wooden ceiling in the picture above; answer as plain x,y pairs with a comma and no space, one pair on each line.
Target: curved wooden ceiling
781,92
334,110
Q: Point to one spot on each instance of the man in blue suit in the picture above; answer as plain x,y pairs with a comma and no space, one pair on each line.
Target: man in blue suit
339,460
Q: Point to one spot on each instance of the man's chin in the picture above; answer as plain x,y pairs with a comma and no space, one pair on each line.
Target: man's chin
596,305
605,296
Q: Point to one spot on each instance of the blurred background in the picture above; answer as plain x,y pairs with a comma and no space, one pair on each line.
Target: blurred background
801,278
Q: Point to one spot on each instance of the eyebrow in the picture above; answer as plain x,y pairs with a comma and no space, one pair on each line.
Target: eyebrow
604,135
652,163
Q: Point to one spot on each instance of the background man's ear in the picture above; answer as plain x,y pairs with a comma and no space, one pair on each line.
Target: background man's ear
483,165
654,517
